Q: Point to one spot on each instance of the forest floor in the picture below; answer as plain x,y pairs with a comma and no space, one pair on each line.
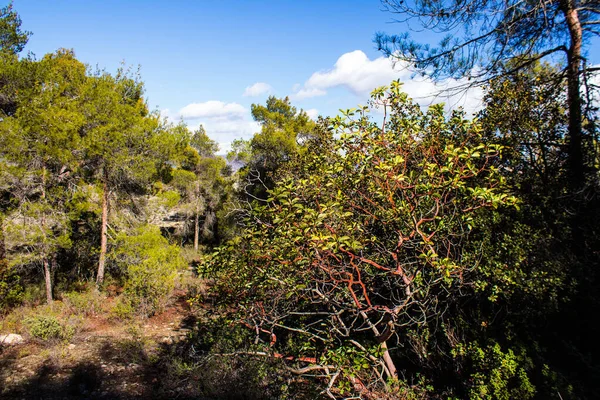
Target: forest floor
108,359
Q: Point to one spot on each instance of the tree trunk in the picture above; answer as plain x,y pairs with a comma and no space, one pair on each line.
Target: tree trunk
575,161
387,358
2,239
389,363
196,229
197,217
47,277
48,280
53,267
103,236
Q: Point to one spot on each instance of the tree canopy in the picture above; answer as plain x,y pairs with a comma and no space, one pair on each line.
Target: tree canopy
490,39
12,38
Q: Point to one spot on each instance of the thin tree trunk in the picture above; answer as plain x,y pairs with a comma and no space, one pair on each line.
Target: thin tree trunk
53,267
196,229
389,363
575,160
197,217
48,280
103,236
2,238
47,277
387,358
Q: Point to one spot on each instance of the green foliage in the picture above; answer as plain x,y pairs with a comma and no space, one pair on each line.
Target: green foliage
169,198
282,127
493,373
12,38
81,139
428,256
555,287
33,295
203,186
205,146
11,290
34,232
17,77
124,309
121,141
226,368
240,151
42,137
48,327
372,233
87,303
481,48
150,264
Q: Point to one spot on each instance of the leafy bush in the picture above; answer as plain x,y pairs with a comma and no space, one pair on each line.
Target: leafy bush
494,373
151,265
123,309
34,294
218,360
13,321
47,327
365,240
86,303
11,291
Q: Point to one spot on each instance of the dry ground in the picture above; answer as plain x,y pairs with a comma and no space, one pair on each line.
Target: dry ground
106,360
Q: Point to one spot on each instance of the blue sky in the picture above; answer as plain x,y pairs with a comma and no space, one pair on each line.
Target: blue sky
208,61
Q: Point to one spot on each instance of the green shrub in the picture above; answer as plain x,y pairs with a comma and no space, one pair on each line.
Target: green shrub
11,291
494,373
151,265
365,240
47,327
123,309
34,295
84,303
12,322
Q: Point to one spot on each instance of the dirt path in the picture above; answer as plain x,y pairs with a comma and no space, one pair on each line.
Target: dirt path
108,360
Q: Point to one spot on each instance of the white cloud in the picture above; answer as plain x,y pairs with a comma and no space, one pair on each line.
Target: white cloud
223,122
212,109
257,89
166,113
355,72
313,113
594,81
308,93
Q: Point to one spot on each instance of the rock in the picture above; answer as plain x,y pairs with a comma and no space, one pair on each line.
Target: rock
11,339
71,346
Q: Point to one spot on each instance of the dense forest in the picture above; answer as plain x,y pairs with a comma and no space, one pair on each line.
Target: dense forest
391,252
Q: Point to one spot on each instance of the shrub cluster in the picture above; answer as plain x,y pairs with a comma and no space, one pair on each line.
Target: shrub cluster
150,264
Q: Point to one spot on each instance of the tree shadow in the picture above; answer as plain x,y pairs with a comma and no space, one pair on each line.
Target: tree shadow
83,381
172,371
